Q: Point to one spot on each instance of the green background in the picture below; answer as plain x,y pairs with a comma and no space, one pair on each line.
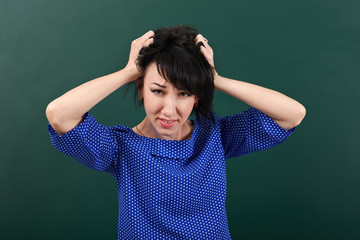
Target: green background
305,188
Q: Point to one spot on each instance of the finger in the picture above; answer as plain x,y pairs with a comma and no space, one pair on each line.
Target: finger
147,35
148,42
200,38
206,53
202,50
206,47
144,40
200,44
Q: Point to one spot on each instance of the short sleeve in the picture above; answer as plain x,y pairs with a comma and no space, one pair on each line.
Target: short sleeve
250,131
90,143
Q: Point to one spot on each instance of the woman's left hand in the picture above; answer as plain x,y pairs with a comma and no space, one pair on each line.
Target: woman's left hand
206,50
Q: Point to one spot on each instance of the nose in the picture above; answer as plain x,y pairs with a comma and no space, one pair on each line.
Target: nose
169,107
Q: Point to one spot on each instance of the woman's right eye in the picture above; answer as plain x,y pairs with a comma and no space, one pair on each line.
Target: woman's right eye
157,91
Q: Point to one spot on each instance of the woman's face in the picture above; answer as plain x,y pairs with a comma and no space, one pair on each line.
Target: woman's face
167,108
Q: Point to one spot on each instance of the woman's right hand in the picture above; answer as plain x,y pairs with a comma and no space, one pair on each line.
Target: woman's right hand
136,45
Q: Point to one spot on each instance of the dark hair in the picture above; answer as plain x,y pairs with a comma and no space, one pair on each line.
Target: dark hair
180,62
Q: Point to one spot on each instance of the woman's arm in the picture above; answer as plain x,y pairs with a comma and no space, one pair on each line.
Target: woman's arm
285,111
65,112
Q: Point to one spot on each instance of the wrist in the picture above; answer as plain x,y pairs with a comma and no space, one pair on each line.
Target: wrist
216,80
132,73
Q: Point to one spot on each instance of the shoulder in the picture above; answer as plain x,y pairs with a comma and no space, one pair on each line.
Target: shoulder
91,124
205,128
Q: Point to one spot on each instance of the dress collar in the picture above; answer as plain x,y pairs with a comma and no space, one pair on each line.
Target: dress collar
176,149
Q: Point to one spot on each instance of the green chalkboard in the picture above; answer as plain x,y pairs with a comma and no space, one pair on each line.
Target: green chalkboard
305,188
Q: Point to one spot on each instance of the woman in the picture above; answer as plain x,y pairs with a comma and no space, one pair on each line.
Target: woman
170,170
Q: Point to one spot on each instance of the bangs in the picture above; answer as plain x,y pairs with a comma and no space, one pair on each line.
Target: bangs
179,70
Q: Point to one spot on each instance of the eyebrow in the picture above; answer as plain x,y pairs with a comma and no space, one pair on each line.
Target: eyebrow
159,85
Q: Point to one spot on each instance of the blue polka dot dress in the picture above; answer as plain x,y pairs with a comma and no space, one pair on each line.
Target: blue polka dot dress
170,189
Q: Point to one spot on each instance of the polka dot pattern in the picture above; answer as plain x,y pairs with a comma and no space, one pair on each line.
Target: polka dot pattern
170,189
250,131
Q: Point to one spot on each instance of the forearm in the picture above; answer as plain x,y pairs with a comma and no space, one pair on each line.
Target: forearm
286,111
74,103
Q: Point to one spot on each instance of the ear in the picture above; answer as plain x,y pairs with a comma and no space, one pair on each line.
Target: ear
140,91
196,101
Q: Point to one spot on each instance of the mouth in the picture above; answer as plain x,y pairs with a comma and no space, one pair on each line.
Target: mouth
167,123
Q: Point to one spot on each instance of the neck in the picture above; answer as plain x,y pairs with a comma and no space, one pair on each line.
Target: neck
147,130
